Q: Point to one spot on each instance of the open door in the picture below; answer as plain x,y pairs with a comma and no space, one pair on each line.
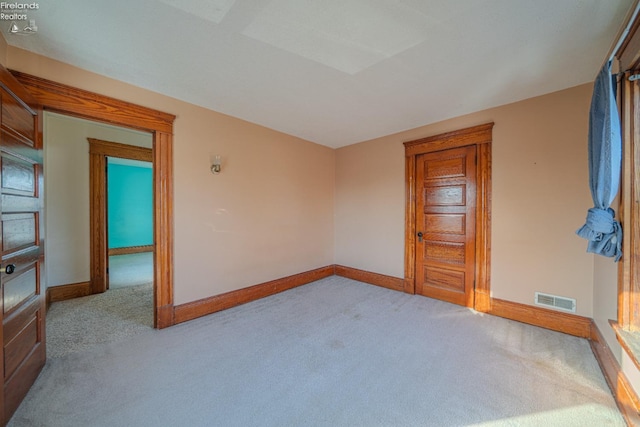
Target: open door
22,243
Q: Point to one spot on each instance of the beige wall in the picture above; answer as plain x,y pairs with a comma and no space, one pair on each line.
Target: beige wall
66,169
269,213
370,207
540,197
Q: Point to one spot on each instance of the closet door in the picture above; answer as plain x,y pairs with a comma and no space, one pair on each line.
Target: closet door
445,224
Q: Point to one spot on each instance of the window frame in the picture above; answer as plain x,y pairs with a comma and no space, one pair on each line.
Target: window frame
628,56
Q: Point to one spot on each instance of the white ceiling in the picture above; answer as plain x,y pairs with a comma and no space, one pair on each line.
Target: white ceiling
334,72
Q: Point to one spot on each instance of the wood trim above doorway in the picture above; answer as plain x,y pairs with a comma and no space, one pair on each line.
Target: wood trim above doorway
88,105
123,151
481,137
476,135
76,102
130,250
99,252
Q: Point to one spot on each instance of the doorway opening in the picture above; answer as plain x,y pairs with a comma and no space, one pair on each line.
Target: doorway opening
63,99
73,173
129,204
135,213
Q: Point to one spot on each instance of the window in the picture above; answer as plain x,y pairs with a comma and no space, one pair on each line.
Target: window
628,327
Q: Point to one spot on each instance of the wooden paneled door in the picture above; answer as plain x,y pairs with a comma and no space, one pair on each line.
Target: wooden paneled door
21,242
445,225
448,217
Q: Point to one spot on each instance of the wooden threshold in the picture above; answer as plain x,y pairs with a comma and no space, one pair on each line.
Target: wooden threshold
130,250
377,279
626,398
205,306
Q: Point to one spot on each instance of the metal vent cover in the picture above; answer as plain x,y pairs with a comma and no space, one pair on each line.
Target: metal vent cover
557,302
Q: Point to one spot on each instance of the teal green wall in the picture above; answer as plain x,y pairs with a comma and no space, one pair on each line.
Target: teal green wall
130,206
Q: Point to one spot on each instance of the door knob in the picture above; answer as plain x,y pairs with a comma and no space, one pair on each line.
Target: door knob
420,235
9,269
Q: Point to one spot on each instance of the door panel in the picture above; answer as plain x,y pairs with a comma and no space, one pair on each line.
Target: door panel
19,288
18,119
17,350
22,245
446,195
445,279
445,219
446,224
444,252
19,231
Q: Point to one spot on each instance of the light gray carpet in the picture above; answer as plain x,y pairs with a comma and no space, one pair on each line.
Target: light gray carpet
83,323
130,270
332,353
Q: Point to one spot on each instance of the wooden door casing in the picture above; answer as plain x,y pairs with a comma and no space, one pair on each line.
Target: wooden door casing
445,219
99,252
479,137
22,243
76,102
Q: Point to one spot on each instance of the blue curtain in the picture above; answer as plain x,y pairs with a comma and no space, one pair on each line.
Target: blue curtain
602,230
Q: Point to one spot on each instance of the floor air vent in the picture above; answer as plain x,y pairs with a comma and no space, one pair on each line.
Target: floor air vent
553,301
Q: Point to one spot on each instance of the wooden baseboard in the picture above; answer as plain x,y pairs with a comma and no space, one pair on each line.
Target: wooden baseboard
195,309
626,398
556,321
65,292
377,279
130,250
164,316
